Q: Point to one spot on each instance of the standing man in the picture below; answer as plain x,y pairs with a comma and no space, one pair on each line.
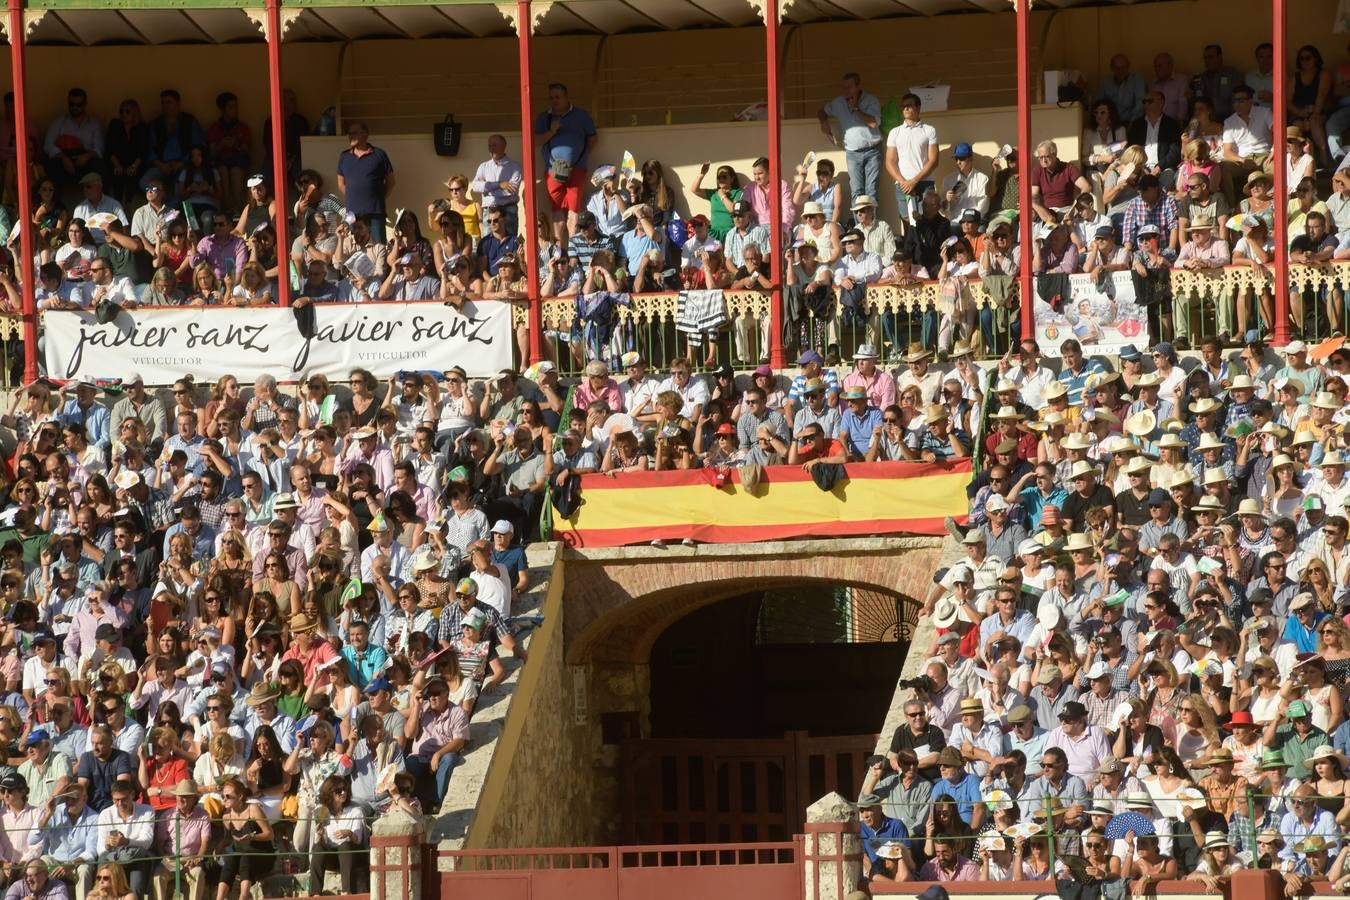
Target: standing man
567,135
1217,82
1123,88
911,157
1248,135
497,182
365,178
1174,88
74,142
859,116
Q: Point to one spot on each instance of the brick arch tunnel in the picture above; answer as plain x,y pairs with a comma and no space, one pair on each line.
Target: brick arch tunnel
619,602
721,716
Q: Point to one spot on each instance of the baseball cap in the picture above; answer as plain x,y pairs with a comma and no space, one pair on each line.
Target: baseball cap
963,151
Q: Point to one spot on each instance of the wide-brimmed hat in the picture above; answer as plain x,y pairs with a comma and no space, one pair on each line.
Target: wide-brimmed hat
1054,390
1007,412
1141,423
951,757
1138,464
1216,839
1075,441
1209,441
1256,177
1082,469
1148,379
263,692
1079,541
186,788
1325,400
917,352
301,623
945,612
1205,405
1326,751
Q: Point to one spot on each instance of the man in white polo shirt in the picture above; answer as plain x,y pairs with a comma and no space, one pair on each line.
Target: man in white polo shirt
1247,137
911,157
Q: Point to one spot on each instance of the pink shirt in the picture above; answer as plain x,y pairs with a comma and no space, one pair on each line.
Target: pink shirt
880,389
195,829
758,198
584,396
320,653
14,846
80,638
382,461
310,512
1216,253
437,731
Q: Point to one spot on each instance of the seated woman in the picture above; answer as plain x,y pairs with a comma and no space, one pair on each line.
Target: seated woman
253,288
509,285
206,287
459,283
340,843
162,290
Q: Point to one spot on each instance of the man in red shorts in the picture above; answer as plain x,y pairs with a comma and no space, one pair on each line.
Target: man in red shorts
567,135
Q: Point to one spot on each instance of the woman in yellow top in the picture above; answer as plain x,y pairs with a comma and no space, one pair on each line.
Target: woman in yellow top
462,202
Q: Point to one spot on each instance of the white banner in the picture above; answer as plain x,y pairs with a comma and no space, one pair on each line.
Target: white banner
164,344
1103,320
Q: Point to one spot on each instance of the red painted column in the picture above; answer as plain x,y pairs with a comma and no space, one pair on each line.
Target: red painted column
278,151
775,181
1280,176
1026,158
25,188
527,218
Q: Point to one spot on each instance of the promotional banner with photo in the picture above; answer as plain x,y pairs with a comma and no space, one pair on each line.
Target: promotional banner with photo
1100,312
162,344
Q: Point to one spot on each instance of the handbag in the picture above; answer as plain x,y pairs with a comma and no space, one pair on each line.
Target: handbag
560,170
445,136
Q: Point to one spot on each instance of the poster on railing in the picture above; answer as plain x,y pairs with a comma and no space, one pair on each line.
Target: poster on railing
1100,312
162,344
786,502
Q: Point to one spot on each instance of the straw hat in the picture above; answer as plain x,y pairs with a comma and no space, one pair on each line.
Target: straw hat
262,692
1141,424
1209,441
1055,390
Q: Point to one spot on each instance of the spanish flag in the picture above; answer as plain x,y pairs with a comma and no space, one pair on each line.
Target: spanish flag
874,498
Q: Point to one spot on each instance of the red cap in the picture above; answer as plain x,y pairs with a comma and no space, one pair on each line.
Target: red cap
726,428
1242,717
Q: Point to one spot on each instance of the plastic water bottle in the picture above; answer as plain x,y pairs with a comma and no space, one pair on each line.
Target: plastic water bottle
328,121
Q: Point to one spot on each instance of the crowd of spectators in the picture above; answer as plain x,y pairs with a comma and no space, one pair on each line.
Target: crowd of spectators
1174,172
237,630
1138,667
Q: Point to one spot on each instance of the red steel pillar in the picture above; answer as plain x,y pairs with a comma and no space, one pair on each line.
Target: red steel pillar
775,185
278,151
25,188
1279,149
528,194
1026,158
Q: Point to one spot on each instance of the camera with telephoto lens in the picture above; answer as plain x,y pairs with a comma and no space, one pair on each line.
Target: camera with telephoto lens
920,683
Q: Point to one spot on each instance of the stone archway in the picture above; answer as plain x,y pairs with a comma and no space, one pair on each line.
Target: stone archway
619,601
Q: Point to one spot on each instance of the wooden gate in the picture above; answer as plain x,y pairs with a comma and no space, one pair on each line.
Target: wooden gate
682,791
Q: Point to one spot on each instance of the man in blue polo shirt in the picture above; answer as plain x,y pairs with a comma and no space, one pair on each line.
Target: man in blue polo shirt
566,135
1076,370
365,178
961,786
877,828
859,424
